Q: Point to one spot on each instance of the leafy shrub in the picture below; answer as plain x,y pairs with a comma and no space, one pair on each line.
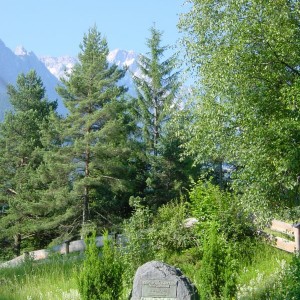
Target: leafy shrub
187,258
225,232
169,233
159,236
101,275
218,268
210,206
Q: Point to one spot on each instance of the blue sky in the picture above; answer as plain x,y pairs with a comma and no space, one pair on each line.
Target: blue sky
56,27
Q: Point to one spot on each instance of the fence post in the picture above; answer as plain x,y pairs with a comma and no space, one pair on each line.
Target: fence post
67,247
297,235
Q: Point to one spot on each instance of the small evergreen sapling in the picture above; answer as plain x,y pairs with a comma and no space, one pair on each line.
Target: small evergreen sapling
102,272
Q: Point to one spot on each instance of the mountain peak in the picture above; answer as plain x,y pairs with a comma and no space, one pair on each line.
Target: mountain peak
122,58
21,51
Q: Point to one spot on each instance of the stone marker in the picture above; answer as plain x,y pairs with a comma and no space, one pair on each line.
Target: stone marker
158,281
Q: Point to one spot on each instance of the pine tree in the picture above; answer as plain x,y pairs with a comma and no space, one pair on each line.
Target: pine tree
96,128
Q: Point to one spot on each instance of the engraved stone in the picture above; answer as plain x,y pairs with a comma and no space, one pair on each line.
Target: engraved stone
158,281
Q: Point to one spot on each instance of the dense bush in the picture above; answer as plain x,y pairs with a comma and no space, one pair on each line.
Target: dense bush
101,274
155,236
169,233
137,248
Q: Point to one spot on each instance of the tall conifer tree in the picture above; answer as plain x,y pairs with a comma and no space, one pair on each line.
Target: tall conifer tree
96,127
156,88
20,142
156,104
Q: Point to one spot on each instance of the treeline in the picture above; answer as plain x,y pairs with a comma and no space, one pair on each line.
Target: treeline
239,127
63,176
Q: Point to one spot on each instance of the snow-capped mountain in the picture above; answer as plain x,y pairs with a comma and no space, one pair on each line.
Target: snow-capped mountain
22,61
59,66
126,59
51,70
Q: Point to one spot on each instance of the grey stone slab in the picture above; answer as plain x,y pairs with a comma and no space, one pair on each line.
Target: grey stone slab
159,281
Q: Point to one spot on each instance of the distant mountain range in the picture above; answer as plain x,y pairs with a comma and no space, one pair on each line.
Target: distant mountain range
51,70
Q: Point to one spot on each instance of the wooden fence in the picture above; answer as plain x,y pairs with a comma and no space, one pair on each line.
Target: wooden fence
65,248
292,231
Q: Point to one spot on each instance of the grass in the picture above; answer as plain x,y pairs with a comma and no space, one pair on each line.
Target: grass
56,278
48,280
255,275
259,273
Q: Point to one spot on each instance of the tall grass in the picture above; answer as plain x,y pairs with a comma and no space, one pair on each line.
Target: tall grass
55,278
262,271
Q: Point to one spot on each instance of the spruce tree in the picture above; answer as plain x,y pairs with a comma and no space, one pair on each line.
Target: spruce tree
155,106
20,158
156,89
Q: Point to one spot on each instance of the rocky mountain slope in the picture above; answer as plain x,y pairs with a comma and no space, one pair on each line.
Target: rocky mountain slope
51,70
21,61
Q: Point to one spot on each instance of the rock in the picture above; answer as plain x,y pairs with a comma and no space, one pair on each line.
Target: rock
159,281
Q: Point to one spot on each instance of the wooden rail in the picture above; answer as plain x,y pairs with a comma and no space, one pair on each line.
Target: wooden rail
291,230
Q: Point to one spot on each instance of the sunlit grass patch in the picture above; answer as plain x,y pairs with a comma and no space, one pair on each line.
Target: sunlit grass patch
55,278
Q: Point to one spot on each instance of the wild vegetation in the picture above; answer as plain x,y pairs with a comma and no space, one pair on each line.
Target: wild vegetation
225,153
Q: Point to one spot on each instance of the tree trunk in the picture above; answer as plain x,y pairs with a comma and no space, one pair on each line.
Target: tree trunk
17,244
156,133
221,184
85,211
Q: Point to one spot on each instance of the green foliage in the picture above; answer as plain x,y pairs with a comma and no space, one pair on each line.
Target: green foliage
168,231
218,269
211,206
245,56
156,90
22,188
96,132
154,107
225,233
57,277
101,274
161,236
